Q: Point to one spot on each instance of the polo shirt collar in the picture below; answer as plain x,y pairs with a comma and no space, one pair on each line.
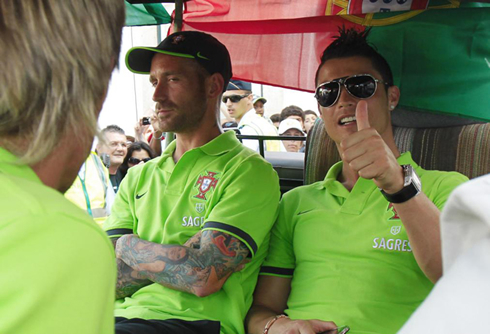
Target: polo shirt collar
223,143
9,165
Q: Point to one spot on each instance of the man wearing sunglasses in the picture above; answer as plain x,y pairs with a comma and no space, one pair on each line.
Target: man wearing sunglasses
239,103
188,252
362,247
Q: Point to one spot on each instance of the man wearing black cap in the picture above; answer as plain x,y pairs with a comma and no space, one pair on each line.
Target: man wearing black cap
239,102
188,252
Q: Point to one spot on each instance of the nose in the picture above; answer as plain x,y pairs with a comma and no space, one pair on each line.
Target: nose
345,99
228,103
160,92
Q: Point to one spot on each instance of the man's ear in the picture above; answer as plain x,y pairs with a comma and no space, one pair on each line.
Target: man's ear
393,97
215,83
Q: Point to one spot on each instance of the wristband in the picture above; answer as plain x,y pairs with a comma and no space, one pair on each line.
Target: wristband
159,138
271,322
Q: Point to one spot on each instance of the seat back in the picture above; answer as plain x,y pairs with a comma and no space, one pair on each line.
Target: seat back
461,148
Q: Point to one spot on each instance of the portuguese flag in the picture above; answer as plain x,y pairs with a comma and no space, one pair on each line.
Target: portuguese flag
439,50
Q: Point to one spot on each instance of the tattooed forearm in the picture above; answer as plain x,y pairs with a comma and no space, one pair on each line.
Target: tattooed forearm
128,280
184,268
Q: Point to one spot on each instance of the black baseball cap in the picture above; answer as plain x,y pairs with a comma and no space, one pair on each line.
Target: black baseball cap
204,48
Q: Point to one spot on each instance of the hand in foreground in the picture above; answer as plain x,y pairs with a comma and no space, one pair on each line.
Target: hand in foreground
368,154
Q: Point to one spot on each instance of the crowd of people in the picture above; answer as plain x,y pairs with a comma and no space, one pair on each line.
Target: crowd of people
195,237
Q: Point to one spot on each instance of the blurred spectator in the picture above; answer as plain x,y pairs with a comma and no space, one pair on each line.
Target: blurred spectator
138,152
238,100
113,143
276,119
310,119
92,190
291,127
142,129
259,105
294,112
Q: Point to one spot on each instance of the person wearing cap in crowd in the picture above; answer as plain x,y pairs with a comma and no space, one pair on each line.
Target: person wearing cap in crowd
258,104
188,253
344,250
57,266
291,127
294,112
239,102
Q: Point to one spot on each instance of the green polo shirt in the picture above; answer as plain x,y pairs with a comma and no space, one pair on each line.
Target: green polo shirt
219,186
348,253
58,270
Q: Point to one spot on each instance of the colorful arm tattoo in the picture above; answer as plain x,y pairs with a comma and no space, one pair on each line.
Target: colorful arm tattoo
128,280
183,268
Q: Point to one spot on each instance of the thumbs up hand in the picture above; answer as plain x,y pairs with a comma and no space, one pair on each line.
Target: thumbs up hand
367,154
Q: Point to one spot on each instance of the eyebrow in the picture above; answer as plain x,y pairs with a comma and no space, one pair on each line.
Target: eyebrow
165,74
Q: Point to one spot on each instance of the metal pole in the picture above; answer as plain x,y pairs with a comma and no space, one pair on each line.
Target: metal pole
179,5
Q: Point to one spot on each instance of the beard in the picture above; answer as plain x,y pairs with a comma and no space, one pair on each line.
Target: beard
185,116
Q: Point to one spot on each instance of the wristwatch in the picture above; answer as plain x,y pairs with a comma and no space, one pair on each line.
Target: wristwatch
411,186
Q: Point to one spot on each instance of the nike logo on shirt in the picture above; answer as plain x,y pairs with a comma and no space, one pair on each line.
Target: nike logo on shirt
139,196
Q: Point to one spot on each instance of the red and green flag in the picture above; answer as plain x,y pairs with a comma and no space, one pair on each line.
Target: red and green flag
439,50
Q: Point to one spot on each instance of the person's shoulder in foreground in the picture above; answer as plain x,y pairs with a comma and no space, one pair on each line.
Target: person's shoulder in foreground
57,265
191,228
462,292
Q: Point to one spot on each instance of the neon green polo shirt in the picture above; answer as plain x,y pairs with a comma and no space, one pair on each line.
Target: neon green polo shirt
219,186
348,253
58,269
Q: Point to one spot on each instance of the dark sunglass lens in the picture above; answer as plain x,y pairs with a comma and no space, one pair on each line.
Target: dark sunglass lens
233,98
361,87
134,160
327,94
145,160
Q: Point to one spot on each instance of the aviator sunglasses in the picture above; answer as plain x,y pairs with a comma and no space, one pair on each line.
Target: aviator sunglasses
136,161
361,86
234,98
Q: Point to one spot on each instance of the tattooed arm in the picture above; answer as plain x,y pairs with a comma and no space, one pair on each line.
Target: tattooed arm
200,271
128,280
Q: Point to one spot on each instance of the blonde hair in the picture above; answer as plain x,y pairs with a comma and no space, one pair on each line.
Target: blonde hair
57,58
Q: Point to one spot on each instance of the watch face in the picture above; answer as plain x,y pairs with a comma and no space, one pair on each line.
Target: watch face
411,177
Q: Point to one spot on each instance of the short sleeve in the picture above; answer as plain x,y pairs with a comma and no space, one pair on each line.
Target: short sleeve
439,189
121,219
280,260
246,206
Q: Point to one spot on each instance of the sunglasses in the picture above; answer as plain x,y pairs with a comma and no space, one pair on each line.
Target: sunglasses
234,98
361,86
136,161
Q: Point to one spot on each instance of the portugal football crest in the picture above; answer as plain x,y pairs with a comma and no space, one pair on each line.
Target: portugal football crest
205,183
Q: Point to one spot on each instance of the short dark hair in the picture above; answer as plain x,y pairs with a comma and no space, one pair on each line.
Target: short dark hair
292,111
275,118
113,128
351,43
310,112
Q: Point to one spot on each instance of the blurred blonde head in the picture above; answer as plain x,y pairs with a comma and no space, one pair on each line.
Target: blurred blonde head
57,58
